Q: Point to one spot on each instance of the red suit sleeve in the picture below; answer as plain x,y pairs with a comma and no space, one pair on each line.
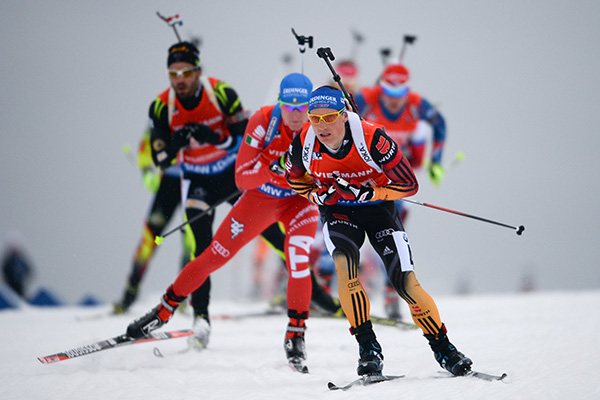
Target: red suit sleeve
251,166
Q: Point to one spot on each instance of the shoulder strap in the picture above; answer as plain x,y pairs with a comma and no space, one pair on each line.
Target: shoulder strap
307,149
170,105
210,92
358,136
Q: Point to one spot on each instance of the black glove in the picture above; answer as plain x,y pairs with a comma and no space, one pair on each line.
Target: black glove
278,166
203,134
181,137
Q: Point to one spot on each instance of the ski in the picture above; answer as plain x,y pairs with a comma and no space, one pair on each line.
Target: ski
117,341
374,319
364,381
252,314
486,377
315,314
478,375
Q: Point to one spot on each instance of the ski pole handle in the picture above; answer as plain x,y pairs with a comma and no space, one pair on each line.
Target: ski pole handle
326,54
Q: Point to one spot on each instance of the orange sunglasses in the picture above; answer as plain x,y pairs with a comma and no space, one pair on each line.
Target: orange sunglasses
327,118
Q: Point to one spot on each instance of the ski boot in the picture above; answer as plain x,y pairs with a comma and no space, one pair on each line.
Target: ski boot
293,343
129,297
156,317
447,355
201,328
369,350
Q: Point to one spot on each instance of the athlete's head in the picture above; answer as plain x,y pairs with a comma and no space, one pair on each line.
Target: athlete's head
294,92
184,52
348,71
327,115
394,86
183,64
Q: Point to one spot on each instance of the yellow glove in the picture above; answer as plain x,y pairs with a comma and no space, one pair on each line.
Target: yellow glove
436,173
152,180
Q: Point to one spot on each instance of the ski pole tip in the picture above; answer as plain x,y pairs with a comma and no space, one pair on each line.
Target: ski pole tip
520,230
159,239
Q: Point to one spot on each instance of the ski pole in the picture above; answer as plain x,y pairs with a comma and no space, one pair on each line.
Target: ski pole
358,39
385,54
408,39
326,54
159,239
519,230
302,41
172,22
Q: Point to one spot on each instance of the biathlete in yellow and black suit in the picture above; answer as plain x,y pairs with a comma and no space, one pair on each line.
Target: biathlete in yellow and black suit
354,171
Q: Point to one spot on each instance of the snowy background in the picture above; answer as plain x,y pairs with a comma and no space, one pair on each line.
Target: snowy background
516,80
546,342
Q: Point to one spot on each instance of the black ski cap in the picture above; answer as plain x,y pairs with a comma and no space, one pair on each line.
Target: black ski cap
184,52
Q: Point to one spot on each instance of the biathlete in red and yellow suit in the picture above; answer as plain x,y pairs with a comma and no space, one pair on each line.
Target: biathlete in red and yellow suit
392,104
266,199
354,171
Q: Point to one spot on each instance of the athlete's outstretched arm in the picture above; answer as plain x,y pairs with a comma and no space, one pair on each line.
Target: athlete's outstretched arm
387,153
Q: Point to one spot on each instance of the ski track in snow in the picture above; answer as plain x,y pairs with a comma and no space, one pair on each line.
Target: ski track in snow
547,342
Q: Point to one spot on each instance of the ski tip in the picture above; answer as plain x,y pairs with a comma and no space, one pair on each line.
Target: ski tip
303,369
488,377
51,359
331,386
298,367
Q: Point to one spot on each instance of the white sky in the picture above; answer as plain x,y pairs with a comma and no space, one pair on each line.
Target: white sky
516,82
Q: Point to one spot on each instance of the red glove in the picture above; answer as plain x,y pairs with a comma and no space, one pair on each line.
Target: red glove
325,195
353,190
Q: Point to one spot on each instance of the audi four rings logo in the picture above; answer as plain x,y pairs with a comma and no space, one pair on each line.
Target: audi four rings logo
385,232
353,284
218,247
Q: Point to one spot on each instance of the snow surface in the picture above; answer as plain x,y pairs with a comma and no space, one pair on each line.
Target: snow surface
547,343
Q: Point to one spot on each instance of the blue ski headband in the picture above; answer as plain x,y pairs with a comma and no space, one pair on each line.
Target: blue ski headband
326,97
295,88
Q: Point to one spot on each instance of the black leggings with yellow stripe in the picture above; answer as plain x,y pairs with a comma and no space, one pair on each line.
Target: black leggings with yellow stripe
344,230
